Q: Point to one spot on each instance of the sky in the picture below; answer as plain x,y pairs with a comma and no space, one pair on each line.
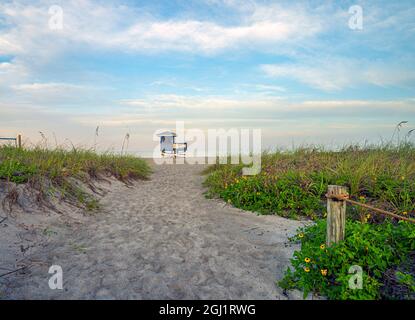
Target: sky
304,72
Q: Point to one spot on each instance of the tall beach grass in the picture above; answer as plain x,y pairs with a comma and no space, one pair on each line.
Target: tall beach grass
56,172
293,183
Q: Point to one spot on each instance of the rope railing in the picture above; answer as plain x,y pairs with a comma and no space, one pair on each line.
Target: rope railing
337,197
345,197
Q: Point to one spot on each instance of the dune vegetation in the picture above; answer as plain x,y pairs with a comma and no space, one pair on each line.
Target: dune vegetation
63,174
293,184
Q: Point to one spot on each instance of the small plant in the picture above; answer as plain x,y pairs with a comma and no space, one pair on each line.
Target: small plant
406,279
79,248
325,271
49,232
15,171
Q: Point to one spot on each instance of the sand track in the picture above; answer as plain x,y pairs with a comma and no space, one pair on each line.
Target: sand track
161,239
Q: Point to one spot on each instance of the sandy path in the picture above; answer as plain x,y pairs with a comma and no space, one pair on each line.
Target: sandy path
161,239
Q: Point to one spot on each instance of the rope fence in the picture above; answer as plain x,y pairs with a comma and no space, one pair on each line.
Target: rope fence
337,197
345,197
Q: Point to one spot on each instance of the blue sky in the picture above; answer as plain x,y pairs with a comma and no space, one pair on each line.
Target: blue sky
294,69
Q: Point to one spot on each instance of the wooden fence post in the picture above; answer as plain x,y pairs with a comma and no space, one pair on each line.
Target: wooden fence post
19,141
336,215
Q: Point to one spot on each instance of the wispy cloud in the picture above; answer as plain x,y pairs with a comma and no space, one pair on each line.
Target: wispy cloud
115,27
171,102
260,107
339,73
46,87
11,73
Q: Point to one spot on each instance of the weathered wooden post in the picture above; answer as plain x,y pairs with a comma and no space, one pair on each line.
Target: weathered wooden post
336,215
19,141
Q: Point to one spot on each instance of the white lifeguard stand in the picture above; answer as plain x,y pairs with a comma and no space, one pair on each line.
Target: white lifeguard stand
169,146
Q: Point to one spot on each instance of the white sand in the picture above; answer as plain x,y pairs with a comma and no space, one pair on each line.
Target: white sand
160,239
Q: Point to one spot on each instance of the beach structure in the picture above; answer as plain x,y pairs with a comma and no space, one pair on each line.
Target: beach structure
17,140
169,146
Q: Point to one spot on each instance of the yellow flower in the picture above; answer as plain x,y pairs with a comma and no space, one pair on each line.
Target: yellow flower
307,269
322,247
402,178
323,272
362,198
404,213
258,193
368,216
229,200
301,235
307,260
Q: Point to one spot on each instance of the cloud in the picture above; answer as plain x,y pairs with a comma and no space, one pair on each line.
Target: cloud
393,105
169,102
55,95
268,87
281,121
291,30
99,25
327,77
51,87
12,72
9,46
332,74
257,107
208,37
263,90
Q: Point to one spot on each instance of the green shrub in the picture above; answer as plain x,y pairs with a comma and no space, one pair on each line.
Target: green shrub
294,184
406,279
15,171
373,247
